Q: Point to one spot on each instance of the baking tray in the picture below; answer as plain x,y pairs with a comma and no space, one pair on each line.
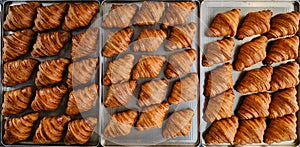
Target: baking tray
209,9
153,136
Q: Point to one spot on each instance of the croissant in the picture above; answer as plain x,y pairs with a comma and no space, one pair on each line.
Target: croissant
120,124
79,15
84,44
285,76
149,40
218,80
284,24
16,44
283,49
181,37
152,92
49,44
225,24
79,131
218,52
51,72
17,72
119,94
255,105
255,80
180,63
184,90
149,14
152,117
222,131
20,16
281,129
177,13
49,17
19,128
251,53
119,70
255,23
117,42
81,100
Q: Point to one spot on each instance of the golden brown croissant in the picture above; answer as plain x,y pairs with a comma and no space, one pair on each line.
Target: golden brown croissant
149,40
17,72
152,117
152,92
119,70
184,90
285,76
20,16
48,98
218,52
218,80
225,24
255,23
222,131
79,131
49,44
251,53
81,100
117,42
177,13
256,80
49,17
120,124
284,24
179,124
119,94
51,71
19,128
283,49
284,102
16,44
255,105
180,63
181,37
281,129
149,14
79,15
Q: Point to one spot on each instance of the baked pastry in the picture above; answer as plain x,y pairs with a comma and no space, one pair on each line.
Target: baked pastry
284,24
51,71
180,63
179,124
117,42
148,66
152,117
120,124
256,80
149,40
181,37
283,49
49,17
225,24
79,15
152,92
119,70
17,72
255,23
49,44
20,16
184,90
149,14
251,53
119,94
285,76
218,52
16,44
19,128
